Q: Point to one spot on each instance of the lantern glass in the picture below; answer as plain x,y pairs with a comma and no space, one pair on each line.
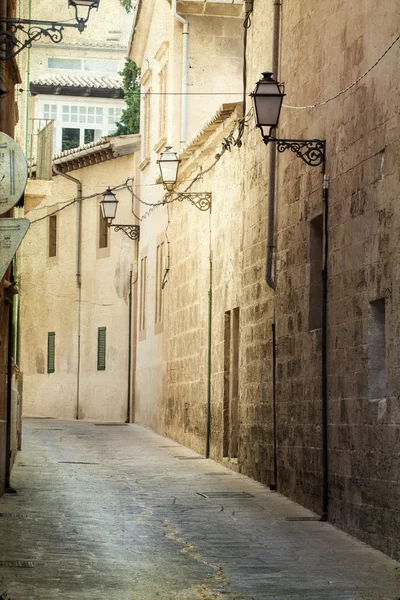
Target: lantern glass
82,10
109,205
267,101
169,166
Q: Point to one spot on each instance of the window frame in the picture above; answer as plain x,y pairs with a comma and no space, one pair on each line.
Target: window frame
143,296
159,295
101,360
53,237
51,352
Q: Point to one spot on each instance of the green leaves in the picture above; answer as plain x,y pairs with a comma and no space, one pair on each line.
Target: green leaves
127,4
130,118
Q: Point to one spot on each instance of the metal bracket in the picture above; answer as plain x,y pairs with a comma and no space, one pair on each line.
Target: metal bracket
201,200
312,152
132,231
11,29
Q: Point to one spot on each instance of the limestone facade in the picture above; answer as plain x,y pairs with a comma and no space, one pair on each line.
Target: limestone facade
83,298
221,256
10,427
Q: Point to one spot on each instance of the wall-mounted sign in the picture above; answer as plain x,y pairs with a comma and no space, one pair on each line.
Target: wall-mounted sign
12,232
13,173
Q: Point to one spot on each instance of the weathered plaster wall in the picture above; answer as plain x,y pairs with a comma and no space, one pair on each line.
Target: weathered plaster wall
50,283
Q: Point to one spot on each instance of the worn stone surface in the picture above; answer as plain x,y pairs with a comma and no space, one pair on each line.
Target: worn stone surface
325,47
121,513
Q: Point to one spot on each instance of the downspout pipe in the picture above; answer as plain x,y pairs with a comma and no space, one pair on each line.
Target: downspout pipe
269,278
324,354
272,153
77,272
128,408
185,72
7,484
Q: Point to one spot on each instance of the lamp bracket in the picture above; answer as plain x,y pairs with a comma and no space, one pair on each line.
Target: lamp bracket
201,200
12,30
132,231
312,152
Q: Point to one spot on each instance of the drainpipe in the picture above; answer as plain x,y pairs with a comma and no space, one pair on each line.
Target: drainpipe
209,333
324,355
272,153
271,282
7,484
128,411
28,81
185,72
78,272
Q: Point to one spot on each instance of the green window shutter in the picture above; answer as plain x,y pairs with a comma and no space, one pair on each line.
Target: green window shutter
51,349
101,349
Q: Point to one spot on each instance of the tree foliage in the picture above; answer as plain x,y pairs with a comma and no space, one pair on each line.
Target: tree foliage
130,118
127,4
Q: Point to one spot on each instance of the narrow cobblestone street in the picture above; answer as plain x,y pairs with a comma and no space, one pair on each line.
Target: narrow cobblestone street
121,513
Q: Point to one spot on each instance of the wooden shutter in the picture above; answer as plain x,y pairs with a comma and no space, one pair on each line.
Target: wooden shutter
53,236
101,349
51,348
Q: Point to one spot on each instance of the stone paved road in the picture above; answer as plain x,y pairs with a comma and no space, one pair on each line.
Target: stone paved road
120,513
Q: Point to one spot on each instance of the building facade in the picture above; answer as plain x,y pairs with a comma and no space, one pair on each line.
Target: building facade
232,364
10,427
75,351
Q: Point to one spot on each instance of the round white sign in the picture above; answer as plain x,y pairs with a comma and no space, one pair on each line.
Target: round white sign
13,173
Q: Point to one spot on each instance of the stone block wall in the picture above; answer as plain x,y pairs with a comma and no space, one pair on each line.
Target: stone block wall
325,46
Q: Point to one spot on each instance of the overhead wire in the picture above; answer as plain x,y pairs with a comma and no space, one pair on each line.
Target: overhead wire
349,87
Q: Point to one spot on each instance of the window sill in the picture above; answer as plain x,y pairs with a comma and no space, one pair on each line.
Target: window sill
160,144
144,163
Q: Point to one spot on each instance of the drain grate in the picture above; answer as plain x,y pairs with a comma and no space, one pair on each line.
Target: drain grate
22,564
236,495
111,424
13,516
76,462
191,457
216,474
302,519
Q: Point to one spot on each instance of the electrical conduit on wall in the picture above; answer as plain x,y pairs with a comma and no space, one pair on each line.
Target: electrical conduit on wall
271,236
185,72
78,273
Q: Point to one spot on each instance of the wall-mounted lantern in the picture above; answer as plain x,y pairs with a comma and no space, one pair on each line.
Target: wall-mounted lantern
169,167
267,102
11,30
109,206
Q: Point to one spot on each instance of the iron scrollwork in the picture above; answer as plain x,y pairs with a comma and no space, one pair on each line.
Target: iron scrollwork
132,231
13,31
201,200
312,152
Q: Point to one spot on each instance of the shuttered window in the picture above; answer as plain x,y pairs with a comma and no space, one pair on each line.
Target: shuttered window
53,236
51,348
103,231
101,349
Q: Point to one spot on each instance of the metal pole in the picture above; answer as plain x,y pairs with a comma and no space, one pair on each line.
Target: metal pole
325,490
128,411
7,487
208,433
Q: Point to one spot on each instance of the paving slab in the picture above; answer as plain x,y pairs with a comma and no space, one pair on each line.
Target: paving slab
115,513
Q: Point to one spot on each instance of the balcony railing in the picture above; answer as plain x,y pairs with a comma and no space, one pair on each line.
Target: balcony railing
40,141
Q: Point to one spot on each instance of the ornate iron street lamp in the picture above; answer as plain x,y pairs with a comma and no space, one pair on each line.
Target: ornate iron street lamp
267,101
12,30
109,206
169,167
